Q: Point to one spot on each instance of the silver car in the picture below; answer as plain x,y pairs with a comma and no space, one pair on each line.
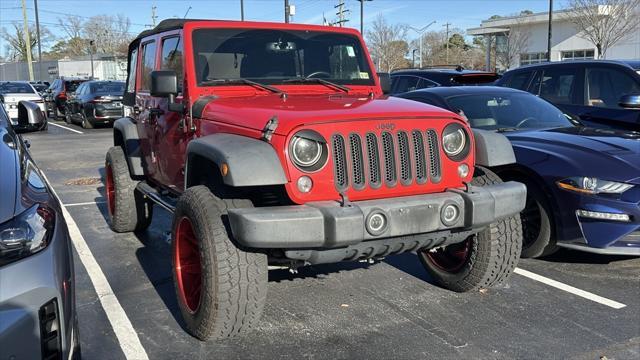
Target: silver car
12,92
37,291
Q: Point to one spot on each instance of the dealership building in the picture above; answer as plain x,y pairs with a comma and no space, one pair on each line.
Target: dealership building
566,42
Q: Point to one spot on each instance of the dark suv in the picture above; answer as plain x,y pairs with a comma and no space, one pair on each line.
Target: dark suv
57,95
406,80
604,94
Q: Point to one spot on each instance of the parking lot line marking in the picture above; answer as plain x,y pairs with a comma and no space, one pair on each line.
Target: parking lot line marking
85,203
66,128
127,337
570,289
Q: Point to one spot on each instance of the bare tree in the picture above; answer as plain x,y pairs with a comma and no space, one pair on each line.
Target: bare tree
108,32
16,43
71,25
604,22
388,44
510,45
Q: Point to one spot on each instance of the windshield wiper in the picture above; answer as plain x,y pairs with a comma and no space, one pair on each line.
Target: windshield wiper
317,81
242,82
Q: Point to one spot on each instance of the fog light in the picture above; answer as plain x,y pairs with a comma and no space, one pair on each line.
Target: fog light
463,170
603,215
449,214
376,223
305,184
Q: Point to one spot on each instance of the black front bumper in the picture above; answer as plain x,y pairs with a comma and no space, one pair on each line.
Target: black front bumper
333,225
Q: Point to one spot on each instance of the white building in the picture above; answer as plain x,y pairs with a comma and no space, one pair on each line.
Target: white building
566,42
105,67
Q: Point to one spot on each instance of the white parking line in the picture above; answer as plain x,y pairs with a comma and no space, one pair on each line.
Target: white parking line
120,323
570,289
66,128
85,203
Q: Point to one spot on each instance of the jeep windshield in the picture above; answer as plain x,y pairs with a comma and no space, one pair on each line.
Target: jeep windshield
278,57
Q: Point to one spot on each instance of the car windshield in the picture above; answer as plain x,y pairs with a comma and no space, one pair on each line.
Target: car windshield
71,86
274,56
510,111
15,88
113,88
40,87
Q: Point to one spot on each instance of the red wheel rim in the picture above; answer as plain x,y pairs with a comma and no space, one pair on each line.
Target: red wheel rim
450,258
187,265
110,190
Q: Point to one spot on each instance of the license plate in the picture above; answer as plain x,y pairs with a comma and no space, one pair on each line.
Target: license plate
13,106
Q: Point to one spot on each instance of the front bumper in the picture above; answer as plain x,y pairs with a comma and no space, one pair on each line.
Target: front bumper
330,224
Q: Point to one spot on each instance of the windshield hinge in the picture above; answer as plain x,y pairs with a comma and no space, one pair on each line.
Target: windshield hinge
269,128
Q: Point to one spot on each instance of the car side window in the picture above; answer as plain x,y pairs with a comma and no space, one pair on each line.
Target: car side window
559,85
131,77
172,57
520,81
605,87
148,64
404,84
425,84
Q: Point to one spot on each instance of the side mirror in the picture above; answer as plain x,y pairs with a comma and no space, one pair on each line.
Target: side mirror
164,83
385,82
630,101
29,113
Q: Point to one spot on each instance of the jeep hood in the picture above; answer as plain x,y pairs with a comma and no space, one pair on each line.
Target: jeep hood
611,154
296,110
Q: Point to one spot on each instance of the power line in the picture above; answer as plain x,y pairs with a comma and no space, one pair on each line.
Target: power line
341,14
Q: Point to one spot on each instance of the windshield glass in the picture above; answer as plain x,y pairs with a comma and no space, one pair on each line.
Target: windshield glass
271,56
110,88
510,111
71,86
15,88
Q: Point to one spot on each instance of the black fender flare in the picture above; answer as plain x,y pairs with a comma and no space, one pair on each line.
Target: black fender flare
125,134
493,149
250,162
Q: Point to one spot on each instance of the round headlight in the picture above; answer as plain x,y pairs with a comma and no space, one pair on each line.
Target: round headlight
308,150
455,142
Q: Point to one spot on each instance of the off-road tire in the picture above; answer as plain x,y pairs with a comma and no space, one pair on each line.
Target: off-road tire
131,211
493,253
234,280
537,207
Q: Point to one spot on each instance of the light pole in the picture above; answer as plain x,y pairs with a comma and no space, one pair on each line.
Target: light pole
362,16
413,58
421,31
549,31
91,54
241,10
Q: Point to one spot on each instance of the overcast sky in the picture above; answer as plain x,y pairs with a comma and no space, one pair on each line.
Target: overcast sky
462,14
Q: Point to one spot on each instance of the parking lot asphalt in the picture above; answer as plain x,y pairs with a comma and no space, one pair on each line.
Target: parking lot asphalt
384,310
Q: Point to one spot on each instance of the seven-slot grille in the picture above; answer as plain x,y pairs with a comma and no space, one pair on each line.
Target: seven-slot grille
386,158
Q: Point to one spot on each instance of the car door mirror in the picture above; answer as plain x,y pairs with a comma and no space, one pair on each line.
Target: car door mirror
630,101
29,113
164,83
385,82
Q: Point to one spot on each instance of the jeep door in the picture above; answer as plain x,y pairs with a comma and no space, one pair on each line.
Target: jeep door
144,102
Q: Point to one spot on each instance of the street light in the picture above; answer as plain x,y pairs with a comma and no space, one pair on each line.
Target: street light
413,58
421,31
91,42
362,16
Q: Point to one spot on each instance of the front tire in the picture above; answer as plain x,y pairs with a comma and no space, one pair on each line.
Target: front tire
483,260
221,289
538,235
128,210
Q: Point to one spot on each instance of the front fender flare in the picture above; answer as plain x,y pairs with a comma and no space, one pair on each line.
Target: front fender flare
130,143
492,149
251,162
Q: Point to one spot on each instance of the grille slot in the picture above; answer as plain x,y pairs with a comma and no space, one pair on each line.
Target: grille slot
357,161
340,162
434,156
373,155
405,157
418,155
389,159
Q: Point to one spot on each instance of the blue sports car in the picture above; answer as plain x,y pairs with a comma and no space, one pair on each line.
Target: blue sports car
583,184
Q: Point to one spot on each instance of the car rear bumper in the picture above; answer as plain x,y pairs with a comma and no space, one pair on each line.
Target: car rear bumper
330,224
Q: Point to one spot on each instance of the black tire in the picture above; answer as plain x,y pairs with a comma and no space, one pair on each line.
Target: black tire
537,226
233,281
128,210
77,349
67,117
86,124
489,256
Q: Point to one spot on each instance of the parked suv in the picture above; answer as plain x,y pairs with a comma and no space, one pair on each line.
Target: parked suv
57,95
273,144
405,80
604,94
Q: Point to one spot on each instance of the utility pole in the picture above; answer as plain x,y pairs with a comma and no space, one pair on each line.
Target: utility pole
362,15
35,3
341,14
549,31
241,10
447,42
27,40
91,42
286,11
420,32
153,16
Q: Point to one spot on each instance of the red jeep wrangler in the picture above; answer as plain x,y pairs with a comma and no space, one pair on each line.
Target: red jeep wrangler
273,144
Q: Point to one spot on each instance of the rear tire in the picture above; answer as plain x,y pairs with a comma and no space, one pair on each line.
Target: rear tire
67,117
483,260
128,210
221,289
86,124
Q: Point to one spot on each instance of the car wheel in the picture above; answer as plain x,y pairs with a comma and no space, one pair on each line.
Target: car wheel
86,124
483,260
128,210
221,289
67,117
537,230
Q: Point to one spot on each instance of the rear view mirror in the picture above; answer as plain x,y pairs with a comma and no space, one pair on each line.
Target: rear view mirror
385,82
30,114
630,101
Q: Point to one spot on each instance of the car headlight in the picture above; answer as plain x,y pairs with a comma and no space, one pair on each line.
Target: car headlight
26,234
455,142
591,185
308,150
